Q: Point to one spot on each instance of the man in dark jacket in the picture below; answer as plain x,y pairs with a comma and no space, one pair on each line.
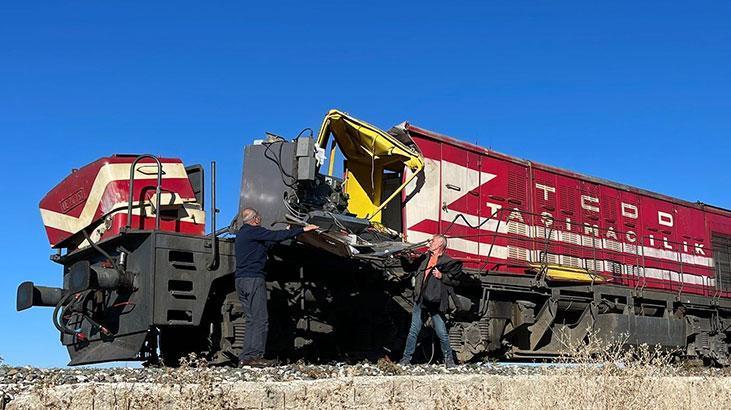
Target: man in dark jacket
436,274
252,244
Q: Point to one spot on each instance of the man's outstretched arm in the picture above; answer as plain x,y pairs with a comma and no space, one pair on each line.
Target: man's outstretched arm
259,233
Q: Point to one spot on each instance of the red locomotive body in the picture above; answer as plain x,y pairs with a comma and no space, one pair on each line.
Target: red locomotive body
97,196
512,215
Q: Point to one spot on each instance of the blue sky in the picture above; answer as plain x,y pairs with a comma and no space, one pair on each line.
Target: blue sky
636,92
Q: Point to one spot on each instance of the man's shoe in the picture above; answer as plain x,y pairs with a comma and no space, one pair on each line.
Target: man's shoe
245,363
258,362
449,363
266,363
404,362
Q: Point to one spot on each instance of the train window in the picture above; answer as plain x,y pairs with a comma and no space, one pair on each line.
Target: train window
392,212
195,176
721,245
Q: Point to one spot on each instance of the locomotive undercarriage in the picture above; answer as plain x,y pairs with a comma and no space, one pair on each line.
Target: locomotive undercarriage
520,318
321,307
328,308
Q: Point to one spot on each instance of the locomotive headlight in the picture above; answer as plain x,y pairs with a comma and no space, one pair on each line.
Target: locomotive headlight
79,276
83,276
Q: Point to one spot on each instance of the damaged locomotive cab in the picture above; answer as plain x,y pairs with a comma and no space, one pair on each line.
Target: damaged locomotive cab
360,213
375,162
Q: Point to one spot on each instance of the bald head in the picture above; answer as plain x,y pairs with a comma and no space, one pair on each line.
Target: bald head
438,243
250,216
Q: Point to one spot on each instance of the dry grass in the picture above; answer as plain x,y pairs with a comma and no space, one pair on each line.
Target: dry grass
604,375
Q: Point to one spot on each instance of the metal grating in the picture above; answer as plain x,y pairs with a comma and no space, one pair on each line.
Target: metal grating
517,187
610,207
485,328
455,336
568,200
239,331
721,245
517,253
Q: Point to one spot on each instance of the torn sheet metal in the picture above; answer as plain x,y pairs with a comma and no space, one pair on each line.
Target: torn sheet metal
369,152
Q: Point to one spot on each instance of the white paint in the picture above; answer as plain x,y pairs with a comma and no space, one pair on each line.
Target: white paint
516,216
107,174
629,211
534,256
546,189
665,243
494,208
664,218
465,178
699,249
591,229
547,218
586,200
588,241
424,204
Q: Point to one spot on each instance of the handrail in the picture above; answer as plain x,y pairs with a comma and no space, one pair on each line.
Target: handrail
641,247
680,276
540,248
158,191
213,263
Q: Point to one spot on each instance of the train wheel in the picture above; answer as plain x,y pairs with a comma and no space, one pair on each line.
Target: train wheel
226,336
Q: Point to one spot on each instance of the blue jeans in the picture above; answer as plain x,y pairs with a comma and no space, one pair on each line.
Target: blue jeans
439,327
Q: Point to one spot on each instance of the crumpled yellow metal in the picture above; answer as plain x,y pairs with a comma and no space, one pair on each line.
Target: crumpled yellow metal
369,152
561,273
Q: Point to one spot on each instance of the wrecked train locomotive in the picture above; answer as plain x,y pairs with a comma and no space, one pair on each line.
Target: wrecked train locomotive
550,255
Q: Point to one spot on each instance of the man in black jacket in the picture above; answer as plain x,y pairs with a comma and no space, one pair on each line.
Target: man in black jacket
436,274
252,243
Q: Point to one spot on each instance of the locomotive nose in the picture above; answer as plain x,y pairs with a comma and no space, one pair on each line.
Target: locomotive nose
30,295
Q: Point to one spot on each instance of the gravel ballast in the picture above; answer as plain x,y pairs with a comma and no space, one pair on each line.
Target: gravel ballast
382,385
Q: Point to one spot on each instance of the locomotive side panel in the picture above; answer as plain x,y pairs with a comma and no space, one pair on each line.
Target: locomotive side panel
513,216
631,239
422,197
460,177
465,196
493,205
